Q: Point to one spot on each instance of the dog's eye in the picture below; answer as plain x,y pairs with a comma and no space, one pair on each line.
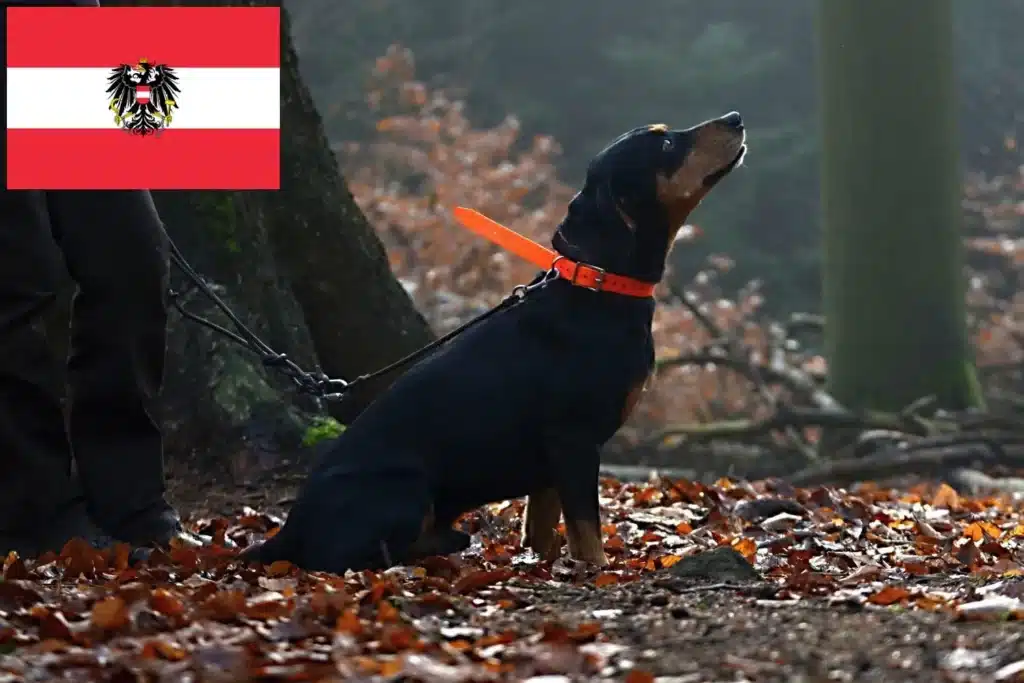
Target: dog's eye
667,145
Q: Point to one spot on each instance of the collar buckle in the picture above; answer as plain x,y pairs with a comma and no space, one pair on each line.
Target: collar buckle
598,278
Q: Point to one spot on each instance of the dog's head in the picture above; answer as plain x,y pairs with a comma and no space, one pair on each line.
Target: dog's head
639,191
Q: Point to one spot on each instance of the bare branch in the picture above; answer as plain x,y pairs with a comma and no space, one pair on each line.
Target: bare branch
799,418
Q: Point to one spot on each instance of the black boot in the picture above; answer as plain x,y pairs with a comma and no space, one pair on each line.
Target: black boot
69,523
51,534
159,526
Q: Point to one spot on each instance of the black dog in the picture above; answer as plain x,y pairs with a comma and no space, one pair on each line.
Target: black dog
520,404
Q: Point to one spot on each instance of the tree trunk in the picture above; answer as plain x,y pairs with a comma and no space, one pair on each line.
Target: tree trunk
360,317
893,281
302,268
218,397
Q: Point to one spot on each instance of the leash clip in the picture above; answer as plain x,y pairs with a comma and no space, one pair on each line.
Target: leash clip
519,292
331,389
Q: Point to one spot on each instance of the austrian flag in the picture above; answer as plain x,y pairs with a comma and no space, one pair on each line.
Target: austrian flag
163,98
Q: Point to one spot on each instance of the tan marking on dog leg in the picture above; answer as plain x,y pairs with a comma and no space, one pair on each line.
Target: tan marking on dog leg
585,542
540,522
425,538
633,397
428,520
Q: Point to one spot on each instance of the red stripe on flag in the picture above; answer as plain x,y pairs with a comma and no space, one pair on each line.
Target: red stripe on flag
184,159
177,36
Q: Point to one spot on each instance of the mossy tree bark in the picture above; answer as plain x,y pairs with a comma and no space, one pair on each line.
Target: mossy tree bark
218,397
893,281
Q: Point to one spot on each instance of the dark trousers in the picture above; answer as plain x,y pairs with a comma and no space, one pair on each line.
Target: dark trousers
113,246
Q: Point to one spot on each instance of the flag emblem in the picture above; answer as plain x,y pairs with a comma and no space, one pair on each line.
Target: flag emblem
142,96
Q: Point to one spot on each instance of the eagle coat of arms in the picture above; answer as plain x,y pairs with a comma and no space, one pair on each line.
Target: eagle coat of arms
143,96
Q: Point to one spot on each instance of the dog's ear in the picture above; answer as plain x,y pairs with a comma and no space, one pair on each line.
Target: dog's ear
629,168
608,199
630,193
598,228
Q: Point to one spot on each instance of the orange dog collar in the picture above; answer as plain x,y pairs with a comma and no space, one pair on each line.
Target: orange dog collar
579,274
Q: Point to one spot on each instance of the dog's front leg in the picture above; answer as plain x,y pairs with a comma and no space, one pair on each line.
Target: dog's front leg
575,471
543,510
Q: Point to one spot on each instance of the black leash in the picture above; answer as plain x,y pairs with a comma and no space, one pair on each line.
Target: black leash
315,383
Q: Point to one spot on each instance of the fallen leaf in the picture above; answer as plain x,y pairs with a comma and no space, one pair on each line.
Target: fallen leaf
889,595
386,612
639,676
18,593
224,605
481,579
615,545
946,497
14,568
348,622
279,568
167,603
746,547
53,625
110,614
864,574
980,530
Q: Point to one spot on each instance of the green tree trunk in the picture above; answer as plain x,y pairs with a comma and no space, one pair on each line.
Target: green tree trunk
892,273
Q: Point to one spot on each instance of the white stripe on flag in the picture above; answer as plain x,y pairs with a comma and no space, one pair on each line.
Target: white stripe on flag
210,98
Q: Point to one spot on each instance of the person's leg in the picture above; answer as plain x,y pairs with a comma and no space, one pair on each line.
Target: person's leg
116,252
39,504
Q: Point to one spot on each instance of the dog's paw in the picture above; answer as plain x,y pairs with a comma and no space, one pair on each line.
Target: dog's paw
439,542
253,553
547,543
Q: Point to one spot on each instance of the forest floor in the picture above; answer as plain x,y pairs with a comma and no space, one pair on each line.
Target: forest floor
731,582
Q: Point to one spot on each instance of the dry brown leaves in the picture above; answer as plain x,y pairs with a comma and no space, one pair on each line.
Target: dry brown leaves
184,614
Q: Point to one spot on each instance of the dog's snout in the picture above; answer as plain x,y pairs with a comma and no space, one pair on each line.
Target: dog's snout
733,120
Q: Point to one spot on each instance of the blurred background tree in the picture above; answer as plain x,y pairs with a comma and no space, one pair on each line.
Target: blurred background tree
893,253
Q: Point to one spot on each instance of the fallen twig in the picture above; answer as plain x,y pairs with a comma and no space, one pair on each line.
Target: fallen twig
802,384
640,473
707,587
974,482
891,462
800,322
798,417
